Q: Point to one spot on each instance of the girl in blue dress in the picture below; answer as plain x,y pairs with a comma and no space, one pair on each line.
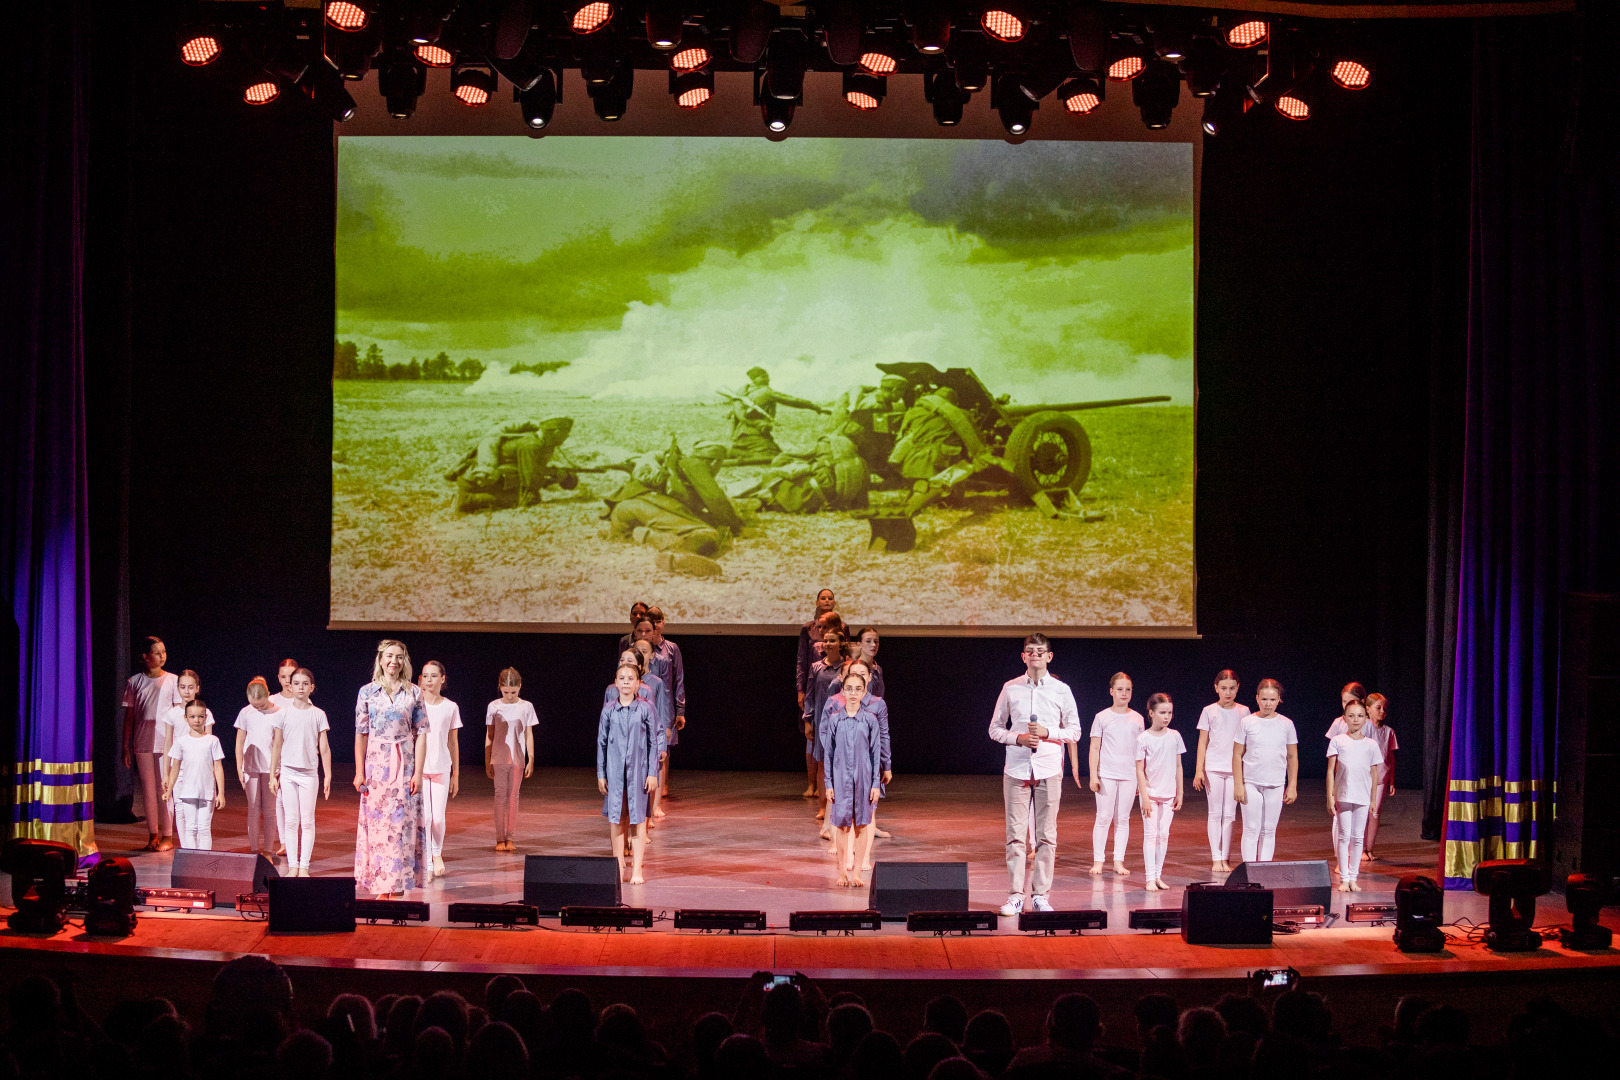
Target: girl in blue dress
850,755
627,767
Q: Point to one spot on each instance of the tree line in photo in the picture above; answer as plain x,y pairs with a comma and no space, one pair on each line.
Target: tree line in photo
348,362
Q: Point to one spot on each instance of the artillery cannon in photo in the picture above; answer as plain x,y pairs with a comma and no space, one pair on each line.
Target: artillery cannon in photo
966,439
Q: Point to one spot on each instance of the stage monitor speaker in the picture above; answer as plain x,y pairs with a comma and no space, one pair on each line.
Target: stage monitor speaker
1586,825
314,904
1292,884
553,882
1223,915
226,874
899,888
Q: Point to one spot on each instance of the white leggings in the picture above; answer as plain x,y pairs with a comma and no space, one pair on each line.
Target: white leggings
1352,822
262,809
299,789
437,790
1222,812
1260,816
195,818
1156,836
1113,808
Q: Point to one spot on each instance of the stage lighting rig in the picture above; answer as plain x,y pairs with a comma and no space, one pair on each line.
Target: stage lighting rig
473,85
1081,94
588,18
945,97
1512,885
39,871
260,92
863,92
692,58
1045,72
1419,914
539,102
324,86
692,89
111,896
970,60
1585,895
1006,22
401,79
611,99
930,23
1224,108
1156,94
777,114
1246,33
1014,107
785,65
198,48
435,56
1125,60
843,29
507,31
880,57
346,15
423,20
665,21
751,31
1203,67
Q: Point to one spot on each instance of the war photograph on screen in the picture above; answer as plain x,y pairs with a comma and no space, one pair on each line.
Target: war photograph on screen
955,379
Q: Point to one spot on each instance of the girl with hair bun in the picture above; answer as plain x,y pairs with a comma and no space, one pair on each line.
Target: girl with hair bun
1158,779
1217,725
1265,770
1113,772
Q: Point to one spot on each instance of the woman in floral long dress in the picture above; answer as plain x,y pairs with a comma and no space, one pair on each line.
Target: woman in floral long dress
390,738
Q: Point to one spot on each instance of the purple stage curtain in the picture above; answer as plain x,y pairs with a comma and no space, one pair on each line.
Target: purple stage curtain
44,518
1540,484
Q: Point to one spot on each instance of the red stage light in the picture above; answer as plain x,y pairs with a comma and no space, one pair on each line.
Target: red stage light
878,63
861,100
433,56
473,95
1081,103
690,59
1294,108
1352,75
1002,25
261,93
589,18
200,50
693,98
346,16
474,86
1248,34
1126,68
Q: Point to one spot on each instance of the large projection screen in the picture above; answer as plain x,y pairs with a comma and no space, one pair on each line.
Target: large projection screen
574,372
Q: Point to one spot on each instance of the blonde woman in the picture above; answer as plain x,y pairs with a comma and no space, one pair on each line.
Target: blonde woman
390,745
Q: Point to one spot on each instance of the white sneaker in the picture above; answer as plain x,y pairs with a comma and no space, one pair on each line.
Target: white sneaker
1013,906
1041,903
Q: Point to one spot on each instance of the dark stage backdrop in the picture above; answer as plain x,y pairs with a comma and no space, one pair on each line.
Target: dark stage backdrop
211,266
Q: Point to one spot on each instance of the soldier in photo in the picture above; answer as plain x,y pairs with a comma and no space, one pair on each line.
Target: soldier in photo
672,503
510,465
870,416
834,478
753,416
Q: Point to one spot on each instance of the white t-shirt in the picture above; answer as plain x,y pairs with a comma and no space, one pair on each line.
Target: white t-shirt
1161,760
1118,732
1222,725
196,757
443,718
1265,749
175,720
1384,736
1353,781
514,719
151,698
1338,727
300,735
281,700
260,728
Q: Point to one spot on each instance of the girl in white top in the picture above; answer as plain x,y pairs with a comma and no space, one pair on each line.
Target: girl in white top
1354,762
1351,691
148,695
1378,729
255,741
284,673
1265,770
1158,779
1113,772
1217,726
441,766
173,723
196,780
509,725
300,745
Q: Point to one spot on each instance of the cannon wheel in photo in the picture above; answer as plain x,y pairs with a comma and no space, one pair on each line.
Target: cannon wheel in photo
1049,450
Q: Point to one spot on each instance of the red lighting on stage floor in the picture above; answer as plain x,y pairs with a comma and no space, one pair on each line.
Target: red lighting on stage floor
1351,75
590,18
699,95
200,50
1126,68
1248,34
690,59
433,56
1293,107
878,63
861,100
346,16
1082,103
261,93
1003,25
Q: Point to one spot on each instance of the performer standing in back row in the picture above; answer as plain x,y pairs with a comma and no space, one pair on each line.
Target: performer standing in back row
1034,716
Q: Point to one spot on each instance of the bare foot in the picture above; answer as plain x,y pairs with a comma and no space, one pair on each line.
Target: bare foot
825,834
866,868
1154,886
882,834
1355,886
1096,868
1215,867
1119,868
638,880
660,812
856,882
1226,867
808,793
1162,886
832,849
843,880
821,814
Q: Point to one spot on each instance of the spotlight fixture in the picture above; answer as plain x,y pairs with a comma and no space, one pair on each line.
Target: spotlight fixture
1125,59
262,92
1012,105
494,914
1203,67
969,58
611,99
730,921
751,31
324,86
1156,94
539,102
507,31
778,114
1419,908
200,49
589,18
664,21
473,85
1294,103
1044,75
1081,94
1172,43
694,58
784,67
843,30
834,922
1351,74
1003,23
880,60
1512,885
1223,108
351,52
1584,895
1088,37
930,23
692,89
1247,34
434,56
39,871
401,79
423,20
863,92
346,16
946,98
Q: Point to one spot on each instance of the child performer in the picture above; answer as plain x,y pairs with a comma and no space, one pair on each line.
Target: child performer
255,740
1354,762
284,673
300,746
638,610
509,724
656,675
173,723
196,780
824,676
867,641
1217,724
1351,691
816,631
1158,780
880,710
652,690
149,694
627,766
441,765
1113,772
851,756
1379,731
674,673
809,639
1265,770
